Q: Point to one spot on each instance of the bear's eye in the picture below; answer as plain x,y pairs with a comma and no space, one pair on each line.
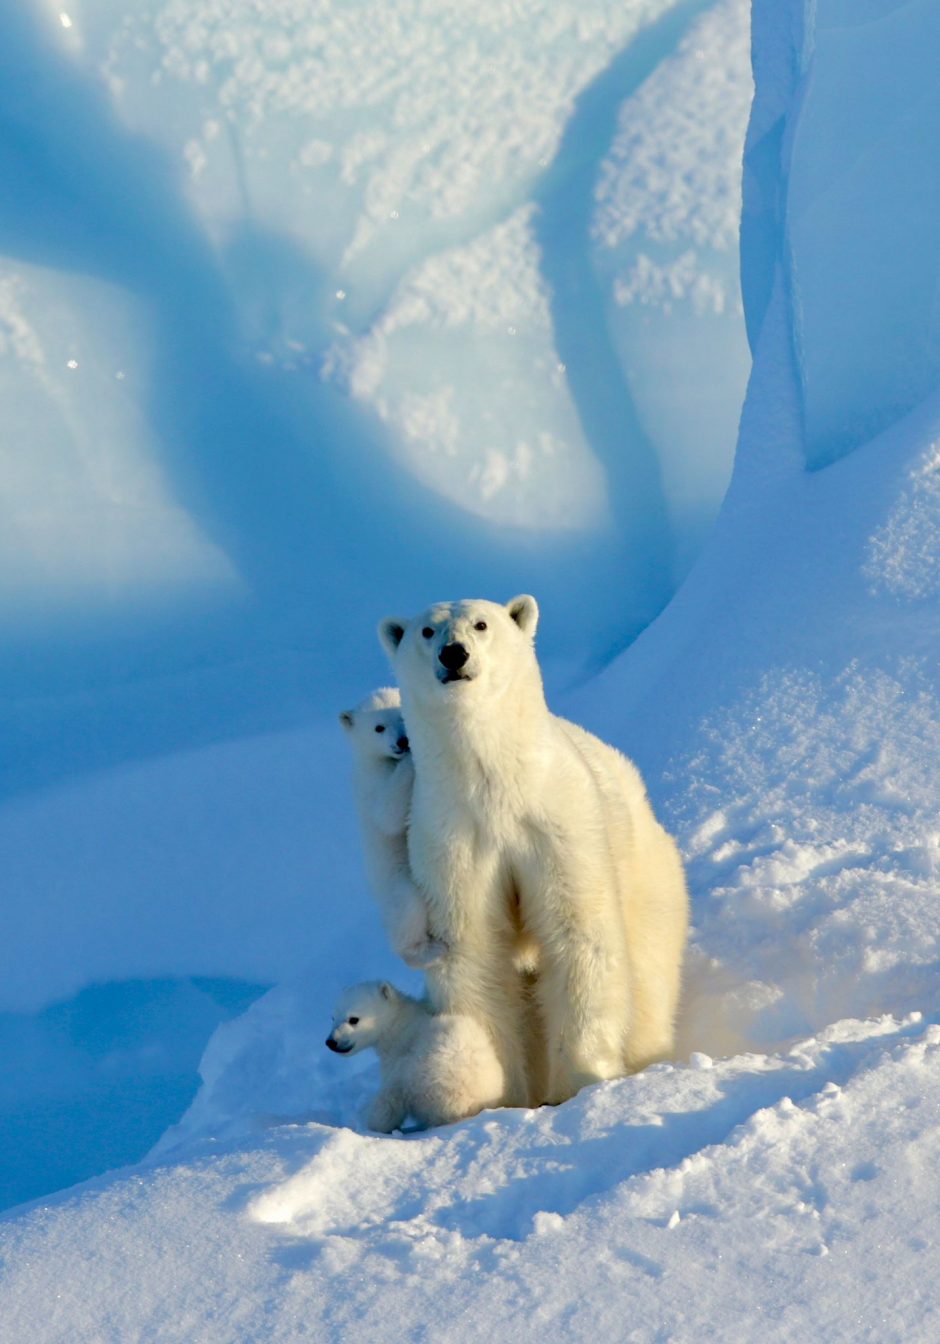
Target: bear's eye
480,625
353,1021
380,727
428,632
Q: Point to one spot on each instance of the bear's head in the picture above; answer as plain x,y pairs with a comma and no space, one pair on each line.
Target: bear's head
376,727
467,650
361,1016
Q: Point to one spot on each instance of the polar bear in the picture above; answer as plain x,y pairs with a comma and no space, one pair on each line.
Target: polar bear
527,829
383,780
436,1069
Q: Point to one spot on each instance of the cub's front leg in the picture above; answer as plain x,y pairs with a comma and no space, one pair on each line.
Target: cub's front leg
387,1111
407,924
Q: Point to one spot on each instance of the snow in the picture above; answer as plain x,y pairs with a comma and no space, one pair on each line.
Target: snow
734,1202
778,1180
477,317
107,531
92,1082
176,866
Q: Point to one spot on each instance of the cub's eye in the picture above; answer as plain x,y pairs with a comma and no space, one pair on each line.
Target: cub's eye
380,727
353,1021
480,625
428,632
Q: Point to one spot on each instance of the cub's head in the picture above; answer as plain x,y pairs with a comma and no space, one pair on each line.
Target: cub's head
361,1015
464,649
376,727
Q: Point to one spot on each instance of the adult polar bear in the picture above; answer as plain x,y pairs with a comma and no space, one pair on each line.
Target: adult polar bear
526,833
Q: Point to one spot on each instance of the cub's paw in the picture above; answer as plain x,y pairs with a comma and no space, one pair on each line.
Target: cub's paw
425,952
383,1117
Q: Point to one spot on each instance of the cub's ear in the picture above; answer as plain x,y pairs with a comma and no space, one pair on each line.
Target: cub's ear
391,634
524,610
346,719
386,990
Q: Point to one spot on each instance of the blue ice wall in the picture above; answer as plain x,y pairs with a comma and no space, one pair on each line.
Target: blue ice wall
843,187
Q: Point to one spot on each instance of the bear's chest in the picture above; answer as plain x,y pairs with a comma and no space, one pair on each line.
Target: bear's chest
479,808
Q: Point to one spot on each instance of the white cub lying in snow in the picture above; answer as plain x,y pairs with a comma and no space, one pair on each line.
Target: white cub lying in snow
436,1069
384,782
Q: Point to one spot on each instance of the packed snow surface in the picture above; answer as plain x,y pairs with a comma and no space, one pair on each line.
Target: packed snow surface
778,1181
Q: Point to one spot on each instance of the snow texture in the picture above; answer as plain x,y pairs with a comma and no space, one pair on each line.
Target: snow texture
85,515
776,1182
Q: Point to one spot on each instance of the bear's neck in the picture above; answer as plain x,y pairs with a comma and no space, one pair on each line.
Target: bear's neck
463,743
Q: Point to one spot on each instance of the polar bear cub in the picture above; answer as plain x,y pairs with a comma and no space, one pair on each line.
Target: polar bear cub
436,1069
384,782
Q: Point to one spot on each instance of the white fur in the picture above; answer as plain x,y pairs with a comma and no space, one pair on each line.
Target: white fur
384,780
436,1069
528,833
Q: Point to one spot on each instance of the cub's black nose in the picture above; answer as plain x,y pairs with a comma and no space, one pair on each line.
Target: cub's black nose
402,744
453,656
331,1043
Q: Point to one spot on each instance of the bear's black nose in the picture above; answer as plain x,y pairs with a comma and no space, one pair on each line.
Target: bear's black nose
402,744
453,656
331,1044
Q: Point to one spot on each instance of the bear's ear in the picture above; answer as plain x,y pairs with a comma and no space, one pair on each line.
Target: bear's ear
524,610
346,719
391,634
385,990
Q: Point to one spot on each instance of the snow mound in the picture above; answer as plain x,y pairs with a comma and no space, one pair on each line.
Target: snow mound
709,1197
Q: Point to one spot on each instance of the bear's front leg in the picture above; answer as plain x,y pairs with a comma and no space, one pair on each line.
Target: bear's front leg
387,1111
489,989
583,983
466,890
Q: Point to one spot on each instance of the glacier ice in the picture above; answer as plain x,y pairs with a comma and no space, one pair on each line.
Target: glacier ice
862,198
380,357
665,247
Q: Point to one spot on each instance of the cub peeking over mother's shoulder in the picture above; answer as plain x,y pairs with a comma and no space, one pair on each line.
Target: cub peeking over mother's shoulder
525,828
384,781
